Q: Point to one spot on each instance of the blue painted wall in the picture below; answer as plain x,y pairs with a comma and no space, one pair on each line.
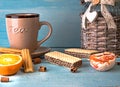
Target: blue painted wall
62,14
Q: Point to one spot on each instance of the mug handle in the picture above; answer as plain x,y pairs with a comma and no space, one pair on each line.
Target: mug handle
49,32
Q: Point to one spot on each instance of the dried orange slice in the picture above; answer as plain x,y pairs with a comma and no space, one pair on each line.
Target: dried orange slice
10,64
94,2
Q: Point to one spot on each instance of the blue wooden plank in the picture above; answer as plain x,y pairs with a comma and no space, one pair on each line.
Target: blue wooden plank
4,43
58,76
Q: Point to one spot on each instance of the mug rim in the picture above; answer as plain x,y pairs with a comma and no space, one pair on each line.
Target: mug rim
22,15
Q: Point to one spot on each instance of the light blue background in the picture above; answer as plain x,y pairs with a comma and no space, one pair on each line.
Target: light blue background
62,14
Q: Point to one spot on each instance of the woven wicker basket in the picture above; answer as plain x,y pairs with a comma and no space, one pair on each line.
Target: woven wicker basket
97,36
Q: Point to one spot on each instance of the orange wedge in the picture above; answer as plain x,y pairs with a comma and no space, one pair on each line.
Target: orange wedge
10,64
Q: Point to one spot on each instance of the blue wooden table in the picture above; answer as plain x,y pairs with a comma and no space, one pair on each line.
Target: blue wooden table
58,76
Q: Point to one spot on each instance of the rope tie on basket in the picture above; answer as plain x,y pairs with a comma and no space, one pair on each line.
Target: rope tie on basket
104,11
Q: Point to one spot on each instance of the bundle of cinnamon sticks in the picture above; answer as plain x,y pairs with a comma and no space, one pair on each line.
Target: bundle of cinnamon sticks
25,53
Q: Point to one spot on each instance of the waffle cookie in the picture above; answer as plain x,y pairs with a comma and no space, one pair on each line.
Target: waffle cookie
81,53
63,59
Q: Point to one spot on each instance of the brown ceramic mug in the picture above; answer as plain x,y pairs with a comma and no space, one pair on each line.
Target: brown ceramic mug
22,30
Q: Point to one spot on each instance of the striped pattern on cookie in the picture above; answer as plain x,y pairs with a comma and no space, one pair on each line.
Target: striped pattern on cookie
81,53
63,59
